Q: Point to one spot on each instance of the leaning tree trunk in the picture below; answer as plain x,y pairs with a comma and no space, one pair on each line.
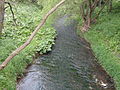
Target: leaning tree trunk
1,15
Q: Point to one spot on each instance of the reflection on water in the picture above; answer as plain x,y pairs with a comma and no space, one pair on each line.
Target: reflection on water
70,66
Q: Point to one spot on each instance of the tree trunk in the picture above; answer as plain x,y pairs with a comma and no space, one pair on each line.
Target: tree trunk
1,15
110,5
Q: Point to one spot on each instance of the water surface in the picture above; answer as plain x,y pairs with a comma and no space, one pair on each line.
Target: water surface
69,66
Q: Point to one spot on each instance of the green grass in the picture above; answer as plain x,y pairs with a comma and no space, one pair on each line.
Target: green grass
104,37
28,17
105,41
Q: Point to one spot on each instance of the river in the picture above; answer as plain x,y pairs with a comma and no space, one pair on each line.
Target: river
70,65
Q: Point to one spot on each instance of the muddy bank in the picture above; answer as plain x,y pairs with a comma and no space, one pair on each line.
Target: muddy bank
71,64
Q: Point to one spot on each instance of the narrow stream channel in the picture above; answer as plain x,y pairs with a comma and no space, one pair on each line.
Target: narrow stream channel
69,66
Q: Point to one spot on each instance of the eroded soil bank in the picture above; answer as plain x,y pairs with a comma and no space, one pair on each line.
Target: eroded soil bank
71,64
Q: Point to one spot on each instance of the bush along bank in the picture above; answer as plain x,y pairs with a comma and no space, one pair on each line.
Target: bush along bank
28,16
105,41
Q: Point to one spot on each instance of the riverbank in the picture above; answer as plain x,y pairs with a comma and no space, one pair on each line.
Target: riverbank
106,50
70,65
14,36
104,37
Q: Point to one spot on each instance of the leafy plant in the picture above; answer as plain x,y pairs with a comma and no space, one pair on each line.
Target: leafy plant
105,40
28,17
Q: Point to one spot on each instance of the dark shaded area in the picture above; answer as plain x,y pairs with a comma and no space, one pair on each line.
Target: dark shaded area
70,66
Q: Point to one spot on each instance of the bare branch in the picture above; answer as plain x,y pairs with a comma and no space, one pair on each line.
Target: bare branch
13,15
101,9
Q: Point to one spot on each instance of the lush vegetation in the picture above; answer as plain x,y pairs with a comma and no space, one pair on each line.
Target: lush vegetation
104,37
28,16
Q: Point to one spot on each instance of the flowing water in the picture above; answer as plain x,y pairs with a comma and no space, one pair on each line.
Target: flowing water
69,66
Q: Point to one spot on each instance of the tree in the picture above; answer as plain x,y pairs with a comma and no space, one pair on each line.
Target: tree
88,13
1,15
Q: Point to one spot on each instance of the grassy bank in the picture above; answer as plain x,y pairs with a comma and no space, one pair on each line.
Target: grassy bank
28,17
105,41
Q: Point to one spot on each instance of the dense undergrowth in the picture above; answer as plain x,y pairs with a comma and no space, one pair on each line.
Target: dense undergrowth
105,41
28,16
104,37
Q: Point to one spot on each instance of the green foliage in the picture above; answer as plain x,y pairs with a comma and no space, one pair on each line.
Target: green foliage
105,40
28,16
46,41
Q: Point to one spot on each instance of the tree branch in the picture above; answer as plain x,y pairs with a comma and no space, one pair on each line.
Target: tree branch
13,15
18,50
101,10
